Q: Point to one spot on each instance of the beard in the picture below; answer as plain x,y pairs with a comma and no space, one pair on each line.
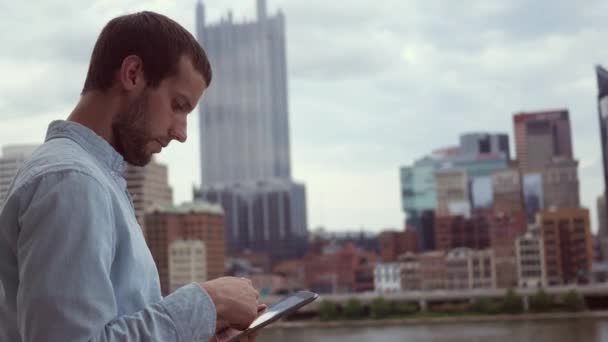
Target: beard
130,132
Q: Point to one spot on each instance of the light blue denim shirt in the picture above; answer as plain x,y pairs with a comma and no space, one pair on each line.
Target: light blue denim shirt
74,265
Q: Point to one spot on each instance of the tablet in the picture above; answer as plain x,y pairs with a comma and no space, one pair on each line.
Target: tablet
278,310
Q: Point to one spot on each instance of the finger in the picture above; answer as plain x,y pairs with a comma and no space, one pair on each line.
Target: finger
262,308
248,338
221,325
242,326
253,336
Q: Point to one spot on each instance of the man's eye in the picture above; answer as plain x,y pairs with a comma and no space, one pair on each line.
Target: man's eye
177,107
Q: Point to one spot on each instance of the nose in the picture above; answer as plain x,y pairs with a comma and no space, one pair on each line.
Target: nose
179,130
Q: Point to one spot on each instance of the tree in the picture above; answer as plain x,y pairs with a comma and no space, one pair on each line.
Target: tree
404,309
353,309
541,302
512,303
485,306
573,302
380,308
328,311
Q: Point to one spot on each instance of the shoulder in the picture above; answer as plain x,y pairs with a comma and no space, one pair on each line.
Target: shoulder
58,160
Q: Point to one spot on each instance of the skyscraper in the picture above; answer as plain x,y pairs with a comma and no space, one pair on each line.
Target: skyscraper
540,137
244,126
602,106
244,114
11,160
602,230
485,143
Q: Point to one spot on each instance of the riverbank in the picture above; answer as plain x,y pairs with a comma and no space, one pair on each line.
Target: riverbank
439,320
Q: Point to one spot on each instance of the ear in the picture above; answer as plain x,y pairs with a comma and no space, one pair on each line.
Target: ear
131,74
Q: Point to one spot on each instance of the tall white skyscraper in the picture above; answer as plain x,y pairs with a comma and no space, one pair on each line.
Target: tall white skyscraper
244,114
244,129
11,160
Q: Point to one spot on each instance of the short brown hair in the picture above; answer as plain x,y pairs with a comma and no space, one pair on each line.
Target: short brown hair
158,40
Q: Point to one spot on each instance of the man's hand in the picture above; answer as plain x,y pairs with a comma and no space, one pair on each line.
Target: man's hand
224,332
228,333
235,299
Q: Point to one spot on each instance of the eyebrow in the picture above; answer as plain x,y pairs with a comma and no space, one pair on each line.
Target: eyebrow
185,99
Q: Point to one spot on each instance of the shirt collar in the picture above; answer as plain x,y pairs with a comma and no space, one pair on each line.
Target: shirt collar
89,140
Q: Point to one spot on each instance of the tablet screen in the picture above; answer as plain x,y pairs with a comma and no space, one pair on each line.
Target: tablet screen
275,310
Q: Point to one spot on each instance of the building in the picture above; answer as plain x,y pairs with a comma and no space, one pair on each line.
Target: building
259,261
426,231
478,154
187,263
597,249
244,117
504,230
533,195
411,275
293,272
485,144
540,137
567,244
458,269
459,231
507,191
346,269
531,265
393,244
469,269
602,231
149,187
418,198
268,284
505,264
601,216
264,217
602,106
361,238
560,184
11,160
452,193
177,236
244,126
433,270
387,277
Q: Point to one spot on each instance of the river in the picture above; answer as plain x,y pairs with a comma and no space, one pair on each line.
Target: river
570,330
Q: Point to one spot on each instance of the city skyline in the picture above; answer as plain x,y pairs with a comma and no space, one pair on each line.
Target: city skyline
363,89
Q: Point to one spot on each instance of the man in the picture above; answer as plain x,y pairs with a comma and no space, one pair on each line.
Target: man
74,265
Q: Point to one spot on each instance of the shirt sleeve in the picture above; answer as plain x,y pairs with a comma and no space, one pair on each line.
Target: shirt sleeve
65,251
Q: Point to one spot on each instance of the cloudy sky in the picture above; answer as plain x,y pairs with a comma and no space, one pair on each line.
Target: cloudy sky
373,84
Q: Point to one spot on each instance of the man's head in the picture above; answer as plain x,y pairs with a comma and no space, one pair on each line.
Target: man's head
157,71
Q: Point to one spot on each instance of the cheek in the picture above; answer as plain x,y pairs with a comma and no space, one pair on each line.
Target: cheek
159,112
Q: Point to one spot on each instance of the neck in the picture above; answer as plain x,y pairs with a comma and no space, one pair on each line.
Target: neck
95,110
